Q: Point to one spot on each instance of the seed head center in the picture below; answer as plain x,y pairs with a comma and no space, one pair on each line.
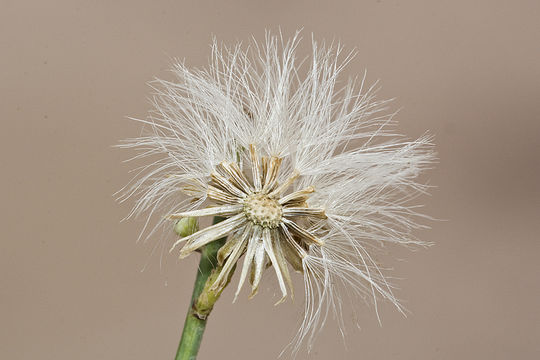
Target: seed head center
263,210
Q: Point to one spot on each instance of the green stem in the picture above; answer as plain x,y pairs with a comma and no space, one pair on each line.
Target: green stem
202,300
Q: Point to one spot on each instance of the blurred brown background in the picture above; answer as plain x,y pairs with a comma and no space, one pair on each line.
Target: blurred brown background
71,285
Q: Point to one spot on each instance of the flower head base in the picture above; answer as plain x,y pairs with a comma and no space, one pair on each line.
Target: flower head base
263,210
309,174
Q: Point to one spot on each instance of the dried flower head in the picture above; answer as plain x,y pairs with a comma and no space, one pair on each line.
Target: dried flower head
308,174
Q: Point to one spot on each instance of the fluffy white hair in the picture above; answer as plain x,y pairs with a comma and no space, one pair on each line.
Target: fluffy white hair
339,138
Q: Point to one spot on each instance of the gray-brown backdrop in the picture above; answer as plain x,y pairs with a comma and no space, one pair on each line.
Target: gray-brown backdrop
70,73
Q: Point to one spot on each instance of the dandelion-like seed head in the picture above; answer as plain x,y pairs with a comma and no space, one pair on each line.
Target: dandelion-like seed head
306,170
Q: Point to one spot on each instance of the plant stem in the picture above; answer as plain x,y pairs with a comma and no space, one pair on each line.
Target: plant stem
202,300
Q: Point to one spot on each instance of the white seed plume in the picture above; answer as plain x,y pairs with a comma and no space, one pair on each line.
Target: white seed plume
308,173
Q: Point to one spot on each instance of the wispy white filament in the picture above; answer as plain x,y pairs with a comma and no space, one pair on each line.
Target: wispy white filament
336,139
